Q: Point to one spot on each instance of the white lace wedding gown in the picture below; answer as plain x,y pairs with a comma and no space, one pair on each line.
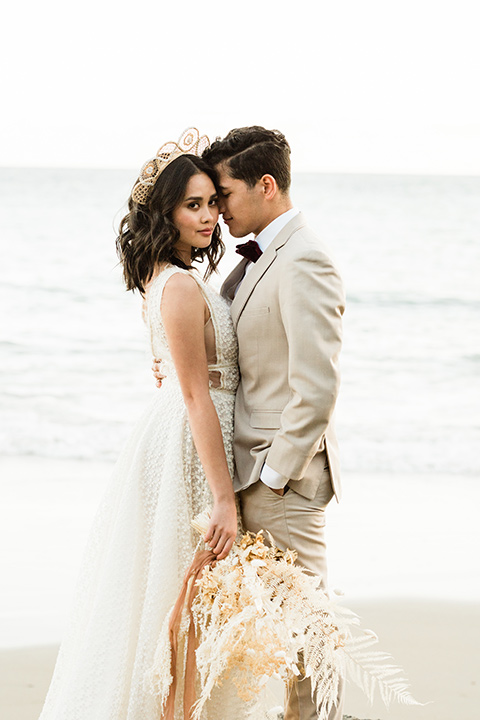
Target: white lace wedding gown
142,543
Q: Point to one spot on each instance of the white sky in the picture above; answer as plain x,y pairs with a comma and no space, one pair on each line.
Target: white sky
356,85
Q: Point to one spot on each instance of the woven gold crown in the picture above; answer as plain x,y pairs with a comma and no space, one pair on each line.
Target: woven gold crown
189,142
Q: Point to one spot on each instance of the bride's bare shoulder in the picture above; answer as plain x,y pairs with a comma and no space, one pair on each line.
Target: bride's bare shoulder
181,281
181,294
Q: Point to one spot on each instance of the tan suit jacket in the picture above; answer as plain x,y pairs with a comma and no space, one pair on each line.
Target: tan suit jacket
287,315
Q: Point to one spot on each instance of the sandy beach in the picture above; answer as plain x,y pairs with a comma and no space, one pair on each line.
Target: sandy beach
402,549
437,643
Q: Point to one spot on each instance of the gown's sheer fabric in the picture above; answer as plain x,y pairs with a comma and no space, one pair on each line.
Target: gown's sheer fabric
142,542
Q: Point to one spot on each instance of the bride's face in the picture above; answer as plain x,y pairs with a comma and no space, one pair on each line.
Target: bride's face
196,216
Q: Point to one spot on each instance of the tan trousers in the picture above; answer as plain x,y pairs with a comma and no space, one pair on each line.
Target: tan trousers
298,523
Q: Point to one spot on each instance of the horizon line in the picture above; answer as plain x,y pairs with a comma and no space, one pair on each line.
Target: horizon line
403,173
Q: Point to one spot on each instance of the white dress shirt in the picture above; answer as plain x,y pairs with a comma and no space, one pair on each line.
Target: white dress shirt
269,233
269,476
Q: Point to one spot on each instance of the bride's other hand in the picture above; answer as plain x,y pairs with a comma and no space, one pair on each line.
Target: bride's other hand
156,372
222,530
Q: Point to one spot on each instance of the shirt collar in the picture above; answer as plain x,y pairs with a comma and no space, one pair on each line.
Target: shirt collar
265,237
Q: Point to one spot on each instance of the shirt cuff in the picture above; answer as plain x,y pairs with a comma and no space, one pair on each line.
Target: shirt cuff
272,478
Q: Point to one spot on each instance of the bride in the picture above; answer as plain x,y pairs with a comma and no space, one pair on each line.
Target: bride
178,460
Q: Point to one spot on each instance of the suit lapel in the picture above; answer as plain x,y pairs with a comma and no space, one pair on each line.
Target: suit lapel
231,281
259,269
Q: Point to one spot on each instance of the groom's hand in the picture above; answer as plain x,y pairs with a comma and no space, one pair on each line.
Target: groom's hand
278,491
156,372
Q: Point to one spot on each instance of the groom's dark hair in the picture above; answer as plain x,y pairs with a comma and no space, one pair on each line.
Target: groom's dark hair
249,153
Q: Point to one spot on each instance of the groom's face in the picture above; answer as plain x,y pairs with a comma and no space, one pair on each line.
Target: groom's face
242,207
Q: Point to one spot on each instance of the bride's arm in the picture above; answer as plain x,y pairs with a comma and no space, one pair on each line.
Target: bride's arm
183,313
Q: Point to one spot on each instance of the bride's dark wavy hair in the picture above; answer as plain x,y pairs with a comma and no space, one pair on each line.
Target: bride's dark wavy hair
147,235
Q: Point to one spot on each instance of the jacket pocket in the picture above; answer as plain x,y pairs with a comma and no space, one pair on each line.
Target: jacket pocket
268,419
262,310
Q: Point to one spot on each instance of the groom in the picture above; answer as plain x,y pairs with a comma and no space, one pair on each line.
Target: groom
287,305
287,302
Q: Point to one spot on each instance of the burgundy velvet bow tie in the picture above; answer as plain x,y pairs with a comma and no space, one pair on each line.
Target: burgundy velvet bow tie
250,250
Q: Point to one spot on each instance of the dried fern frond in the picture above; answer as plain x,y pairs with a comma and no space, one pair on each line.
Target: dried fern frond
259,615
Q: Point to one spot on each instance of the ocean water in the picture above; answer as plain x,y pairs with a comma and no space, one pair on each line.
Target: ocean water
74,357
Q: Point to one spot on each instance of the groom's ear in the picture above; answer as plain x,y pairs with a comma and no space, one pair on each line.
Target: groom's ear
269,186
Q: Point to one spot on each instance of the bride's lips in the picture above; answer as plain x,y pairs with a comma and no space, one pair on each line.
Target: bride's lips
206,232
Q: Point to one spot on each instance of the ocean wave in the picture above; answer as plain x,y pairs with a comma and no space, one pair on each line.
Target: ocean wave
396,300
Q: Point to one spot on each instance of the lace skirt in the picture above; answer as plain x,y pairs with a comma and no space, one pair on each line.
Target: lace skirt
140,546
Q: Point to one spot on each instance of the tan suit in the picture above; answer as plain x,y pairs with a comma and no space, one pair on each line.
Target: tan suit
287,314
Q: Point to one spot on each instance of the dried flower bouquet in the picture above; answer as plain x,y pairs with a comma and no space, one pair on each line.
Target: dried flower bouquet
257,615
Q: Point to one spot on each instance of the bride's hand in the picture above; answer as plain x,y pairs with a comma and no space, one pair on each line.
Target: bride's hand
222,529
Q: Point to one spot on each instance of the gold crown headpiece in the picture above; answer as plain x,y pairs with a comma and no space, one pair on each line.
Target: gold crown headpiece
189,142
